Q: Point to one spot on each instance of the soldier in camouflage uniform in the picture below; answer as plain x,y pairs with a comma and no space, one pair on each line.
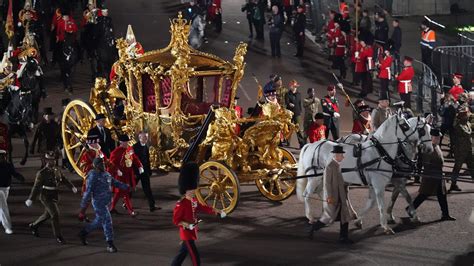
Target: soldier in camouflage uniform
281,91
99,188
312,106
46,186
462,146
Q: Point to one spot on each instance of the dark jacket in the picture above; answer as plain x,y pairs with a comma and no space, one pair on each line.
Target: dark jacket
8,171
433,173
381,31
397,38
295,99
143,153
107,145
47,135
276,24
300,23
249,8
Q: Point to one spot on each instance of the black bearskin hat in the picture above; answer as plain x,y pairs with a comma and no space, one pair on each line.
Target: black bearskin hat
188,177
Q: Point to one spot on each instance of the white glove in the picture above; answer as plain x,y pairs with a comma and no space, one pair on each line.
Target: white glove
140,170
223,214
191,226
337,115
74,190
28,203
339,85
119,173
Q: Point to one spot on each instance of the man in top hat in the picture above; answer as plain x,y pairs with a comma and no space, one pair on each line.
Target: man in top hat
185,213
293,103
405,81
122,162
8,171
427,43
335,204
134,49
99,189
46,186
462,146
331,112
106,142
142,150
361,125
432,182
317,130
47,134
457,88
381,113
385,73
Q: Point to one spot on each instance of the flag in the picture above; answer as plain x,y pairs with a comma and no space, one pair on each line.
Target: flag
9,28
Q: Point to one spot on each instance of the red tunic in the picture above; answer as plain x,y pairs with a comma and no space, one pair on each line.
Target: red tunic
455,91
339,43
360,60
384,68
118,161
405,77
64,27
316,132
85,163
344,10
56,18
358,126
186,211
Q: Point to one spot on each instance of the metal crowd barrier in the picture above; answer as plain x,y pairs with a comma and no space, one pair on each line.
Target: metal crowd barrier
451,59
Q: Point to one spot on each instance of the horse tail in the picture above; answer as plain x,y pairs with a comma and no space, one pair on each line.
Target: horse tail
302,182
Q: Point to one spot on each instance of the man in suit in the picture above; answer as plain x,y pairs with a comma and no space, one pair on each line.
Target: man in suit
106,141
143,152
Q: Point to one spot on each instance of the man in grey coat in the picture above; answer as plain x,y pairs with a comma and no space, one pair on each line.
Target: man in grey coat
335,204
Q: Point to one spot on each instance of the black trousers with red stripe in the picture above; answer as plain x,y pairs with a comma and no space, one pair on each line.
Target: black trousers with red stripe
187,246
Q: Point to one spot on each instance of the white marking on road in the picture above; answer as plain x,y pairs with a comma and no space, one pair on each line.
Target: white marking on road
244,92
238,22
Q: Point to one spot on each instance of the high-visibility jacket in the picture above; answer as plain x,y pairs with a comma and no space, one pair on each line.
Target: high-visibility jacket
384,68
344,10
405,80
428,38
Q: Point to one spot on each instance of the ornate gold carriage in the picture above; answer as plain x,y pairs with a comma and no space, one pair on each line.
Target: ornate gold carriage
172,93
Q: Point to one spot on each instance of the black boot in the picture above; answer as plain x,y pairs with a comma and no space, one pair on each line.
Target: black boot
83,237
111,247
315,227
34,230
344,234
60,240
454,187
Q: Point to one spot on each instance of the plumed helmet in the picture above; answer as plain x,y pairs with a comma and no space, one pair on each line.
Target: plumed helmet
188,177
130,35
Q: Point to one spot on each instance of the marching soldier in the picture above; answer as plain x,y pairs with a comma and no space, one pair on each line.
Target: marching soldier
106,142
363,64
293,103
99,188
312,106
46,186
462,146
330,106
65,25
385,74
122,161
457,88
381,113
335,204
405,81
134,49
433,183
47,135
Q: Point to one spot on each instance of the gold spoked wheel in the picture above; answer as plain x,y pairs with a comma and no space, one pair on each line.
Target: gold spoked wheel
218,186
275,189
78,118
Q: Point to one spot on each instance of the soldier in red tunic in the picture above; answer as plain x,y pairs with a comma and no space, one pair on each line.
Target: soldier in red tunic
361,125
122,160
317,130
65,25
457,88
363,64
385,74
405,81
339,45
185,214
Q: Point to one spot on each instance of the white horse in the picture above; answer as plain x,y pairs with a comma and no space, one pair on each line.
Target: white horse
196,34
374,166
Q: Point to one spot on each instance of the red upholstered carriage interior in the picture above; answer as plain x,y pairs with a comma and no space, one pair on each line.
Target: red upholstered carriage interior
149,97
165,92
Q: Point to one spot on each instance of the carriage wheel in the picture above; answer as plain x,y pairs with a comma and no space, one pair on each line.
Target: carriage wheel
218,186
78,118
275,189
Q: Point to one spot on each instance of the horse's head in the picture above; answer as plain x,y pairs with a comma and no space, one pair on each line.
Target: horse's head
419,133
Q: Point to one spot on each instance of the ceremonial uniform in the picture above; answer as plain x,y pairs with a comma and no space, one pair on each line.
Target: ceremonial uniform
385,75
8,171
330,107
312,106
462,147
86,160
363,64
99,188
456,90
339,45
46,186
405,85
106,142
123,160
65,26
361,126
316,132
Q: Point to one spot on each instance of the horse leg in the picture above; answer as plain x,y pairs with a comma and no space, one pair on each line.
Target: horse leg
27,144
379,194
395,193
411,207
369,205
310,209
352,212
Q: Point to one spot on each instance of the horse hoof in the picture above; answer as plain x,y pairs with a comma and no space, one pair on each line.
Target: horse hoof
389,231
358,224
